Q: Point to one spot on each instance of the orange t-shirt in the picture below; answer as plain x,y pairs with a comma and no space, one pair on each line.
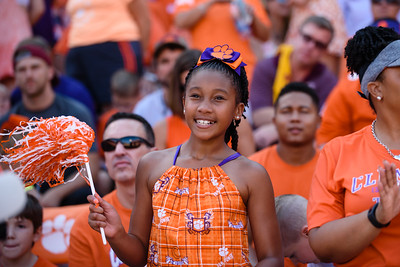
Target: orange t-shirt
54,242
286,178
99,21
217,27
177,131
86,246
346,183
41,262
345,111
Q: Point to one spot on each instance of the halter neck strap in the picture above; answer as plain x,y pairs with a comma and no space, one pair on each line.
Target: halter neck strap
178,149
226,160
229,158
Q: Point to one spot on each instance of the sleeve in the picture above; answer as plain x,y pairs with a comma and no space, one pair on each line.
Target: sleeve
260,12
261,85
336,117
80,250
326,201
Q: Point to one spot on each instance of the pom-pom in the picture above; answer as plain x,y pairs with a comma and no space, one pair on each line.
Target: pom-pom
47,148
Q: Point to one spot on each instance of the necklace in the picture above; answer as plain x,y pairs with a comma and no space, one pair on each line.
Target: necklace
397,157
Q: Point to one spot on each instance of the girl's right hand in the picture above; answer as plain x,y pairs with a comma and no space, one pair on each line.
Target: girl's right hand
102,214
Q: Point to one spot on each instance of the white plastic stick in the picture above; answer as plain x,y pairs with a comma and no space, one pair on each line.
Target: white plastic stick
103,235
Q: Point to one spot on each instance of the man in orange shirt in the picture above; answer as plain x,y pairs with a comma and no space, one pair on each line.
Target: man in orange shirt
292,161
127,137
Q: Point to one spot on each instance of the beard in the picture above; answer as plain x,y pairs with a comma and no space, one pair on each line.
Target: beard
33,89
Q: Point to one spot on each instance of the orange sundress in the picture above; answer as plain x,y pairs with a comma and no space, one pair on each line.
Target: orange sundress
199,219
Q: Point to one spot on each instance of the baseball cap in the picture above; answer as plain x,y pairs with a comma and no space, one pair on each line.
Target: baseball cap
30,50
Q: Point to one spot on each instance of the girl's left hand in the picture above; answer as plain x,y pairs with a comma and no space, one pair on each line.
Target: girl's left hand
389,191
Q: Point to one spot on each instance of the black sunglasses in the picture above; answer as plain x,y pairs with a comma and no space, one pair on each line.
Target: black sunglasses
397,2
129,142
318,44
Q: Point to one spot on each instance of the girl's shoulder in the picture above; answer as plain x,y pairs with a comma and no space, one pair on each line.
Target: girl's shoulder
246,174
243,164
155,163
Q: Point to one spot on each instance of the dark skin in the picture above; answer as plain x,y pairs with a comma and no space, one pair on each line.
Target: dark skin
212,98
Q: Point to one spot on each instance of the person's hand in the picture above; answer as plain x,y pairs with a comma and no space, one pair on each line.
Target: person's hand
389,191
102,214
265,135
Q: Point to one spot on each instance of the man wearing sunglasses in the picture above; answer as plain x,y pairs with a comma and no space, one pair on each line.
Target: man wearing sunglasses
127,137
292,64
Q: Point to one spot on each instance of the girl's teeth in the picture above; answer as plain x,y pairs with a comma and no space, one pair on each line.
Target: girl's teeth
203,122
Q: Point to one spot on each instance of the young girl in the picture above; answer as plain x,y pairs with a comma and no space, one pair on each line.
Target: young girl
173,130
192,201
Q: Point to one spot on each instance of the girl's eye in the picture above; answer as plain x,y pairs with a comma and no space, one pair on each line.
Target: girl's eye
220,98
194,96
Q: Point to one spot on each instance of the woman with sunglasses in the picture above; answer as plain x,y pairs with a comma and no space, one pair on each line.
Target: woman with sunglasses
192,201
354,203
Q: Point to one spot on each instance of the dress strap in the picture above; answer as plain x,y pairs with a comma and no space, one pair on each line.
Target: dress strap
178,149
229,158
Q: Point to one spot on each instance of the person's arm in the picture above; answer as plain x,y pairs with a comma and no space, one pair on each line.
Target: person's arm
189,18
35,10
265,133
131,247
259,29
262,216
140,13
160,134
263,116
246,145
341,240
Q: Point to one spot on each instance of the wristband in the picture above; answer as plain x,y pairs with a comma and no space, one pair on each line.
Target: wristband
372,217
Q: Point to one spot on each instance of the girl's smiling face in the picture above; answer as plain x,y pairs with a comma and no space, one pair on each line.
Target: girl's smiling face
210,103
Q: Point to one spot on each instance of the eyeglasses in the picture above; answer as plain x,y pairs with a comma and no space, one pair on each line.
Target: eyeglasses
318,44
395,2
129,142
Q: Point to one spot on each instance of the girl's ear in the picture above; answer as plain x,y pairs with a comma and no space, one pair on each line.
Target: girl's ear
375,89
239,110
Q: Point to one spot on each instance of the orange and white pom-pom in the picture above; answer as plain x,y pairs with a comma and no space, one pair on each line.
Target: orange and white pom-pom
48,148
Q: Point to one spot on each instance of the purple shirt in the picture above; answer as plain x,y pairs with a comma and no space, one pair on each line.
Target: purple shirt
320,79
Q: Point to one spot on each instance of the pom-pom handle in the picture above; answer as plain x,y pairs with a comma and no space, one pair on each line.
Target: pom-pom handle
103,235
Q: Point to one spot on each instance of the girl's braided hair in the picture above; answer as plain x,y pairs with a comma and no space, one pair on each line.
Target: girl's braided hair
240,83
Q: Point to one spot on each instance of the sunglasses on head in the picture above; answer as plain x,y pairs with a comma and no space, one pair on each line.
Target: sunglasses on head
129,142
318,44
396,2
